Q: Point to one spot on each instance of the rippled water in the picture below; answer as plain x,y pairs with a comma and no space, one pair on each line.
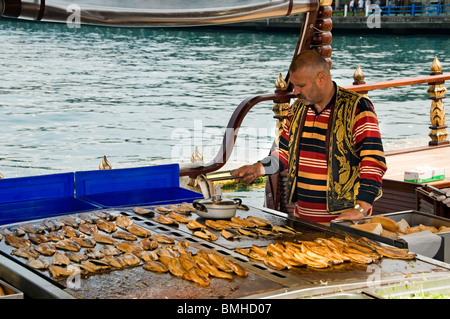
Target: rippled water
149,96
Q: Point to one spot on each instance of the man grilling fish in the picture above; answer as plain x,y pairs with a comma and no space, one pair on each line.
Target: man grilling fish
330,146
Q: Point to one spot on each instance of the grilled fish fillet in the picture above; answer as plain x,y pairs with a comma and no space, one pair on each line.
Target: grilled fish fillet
75,256
260,222
197,275
105,225
389,251
164,220
103,239
88,228
214,224
155,266
84,242
178,218
60,259
120,234
138,231
243,222
38,238
47,249
163,239
32,228
17,242
123,221
142,211
40,263
130,259
237,269
149,255
219,262
58,271
276,263
213,271
195,225
129,247
148,244
176,269
69,231
25,252
67,244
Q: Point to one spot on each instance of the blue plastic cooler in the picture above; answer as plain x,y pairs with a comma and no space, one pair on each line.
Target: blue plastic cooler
35,197
142,186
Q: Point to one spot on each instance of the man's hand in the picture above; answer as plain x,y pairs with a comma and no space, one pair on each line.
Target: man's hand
354,214
350,214
248,173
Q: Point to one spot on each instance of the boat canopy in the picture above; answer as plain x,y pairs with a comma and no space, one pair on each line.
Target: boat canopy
153,13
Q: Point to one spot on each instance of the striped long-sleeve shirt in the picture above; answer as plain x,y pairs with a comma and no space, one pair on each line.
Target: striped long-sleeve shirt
312,171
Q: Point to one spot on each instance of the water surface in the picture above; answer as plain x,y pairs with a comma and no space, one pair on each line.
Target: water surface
149,96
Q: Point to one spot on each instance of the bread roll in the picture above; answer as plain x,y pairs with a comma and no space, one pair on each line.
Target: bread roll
443,229
412,230
402,226
389,234
385,222
430,228
374,228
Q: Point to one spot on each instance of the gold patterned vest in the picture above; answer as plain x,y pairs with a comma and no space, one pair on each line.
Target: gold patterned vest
343,161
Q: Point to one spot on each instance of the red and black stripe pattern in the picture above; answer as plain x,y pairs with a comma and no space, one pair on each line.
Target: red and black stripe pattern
312,171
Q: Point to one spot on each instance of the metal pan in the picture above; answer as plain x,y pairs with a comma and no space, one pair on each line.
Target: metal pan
217,207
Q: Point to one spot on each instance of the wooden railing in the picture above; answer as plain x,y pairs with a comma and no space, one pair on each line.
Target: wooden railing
436,91
364,88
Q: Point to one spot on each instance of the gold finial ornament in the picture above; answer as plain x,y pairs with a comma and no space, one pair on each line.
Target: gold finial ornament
105,164
436,91
197,157
324,3
280,83
358,76
358,79
436,66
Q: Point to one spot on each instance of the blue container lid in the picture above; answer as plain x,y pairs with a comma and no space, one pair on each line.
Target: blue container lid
126,179
143,197
36,187
35,197
132,186
15,212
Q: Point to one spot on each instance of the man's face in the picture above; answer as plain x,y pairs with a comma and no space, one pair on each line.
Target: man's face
305,86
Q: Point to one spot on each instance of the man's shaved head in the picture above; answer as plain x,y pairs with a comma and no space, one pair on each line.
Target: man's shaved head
310,60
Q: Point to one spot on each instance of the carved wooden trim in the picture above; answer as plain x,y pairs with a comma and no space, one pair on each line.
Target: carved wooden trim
401,82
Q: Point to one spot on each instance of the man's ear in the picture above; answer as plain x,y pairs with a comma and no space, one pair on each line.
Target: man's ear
321,78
